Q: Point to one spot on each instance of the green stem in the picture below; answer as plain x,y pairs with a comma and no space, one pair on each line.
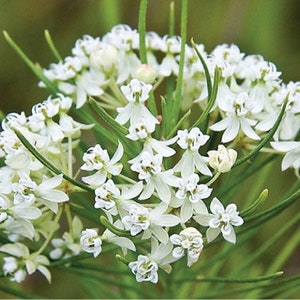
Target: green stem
52,46
34,68
142,30
48,164
178,91
49,237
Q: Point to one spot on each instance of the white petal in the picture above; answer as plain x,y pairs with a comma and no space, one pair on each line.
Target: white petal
285,146
160,234
203,219
133,192
118,154
51,182
166,220
248,130
186,211
123,242
212,233
54,196
231,131
45,272
148,191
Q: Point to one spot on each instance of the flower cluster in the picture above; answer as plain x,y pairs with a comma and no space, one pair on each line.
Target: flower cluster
151,183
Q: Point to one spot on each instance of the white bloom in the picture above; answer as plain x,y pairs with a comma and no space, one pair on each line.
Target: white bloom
69,244
191,158
149,167
190,195
292,156
98,159
144,269
136,93
237,108
109,197
91,242
150,221
22,255
222,159
190,241
221,220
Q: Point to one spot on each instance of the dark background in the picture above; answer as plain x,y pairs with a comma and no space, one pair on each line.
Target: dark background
266,27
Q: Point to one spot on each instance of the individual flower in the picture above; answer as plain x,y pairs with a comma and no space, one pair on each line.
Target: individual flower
292,154
98,159
190,195
237,108
222,159
191,158
69,244
221,220
114,201
27,191
149,167
144,269
190,241
149,221
91,242
136,93
23,262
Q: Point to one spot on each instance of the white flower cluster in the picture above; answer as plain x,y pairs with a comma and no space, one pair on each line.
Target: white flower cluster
160,196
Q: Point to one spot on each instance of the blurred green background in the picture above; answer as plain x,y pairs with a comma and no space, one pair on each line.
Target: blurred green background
266,27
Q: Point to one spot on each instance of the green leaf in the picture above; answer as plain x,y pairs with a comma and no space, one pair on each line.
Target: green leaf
178,91
142,30
52,46
211,100
119,130
48,164
35,69
206,71
255,204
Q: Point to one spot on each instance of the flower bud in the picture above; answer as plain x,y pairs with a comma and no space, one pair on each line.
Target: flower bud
222,159
145,73
104,59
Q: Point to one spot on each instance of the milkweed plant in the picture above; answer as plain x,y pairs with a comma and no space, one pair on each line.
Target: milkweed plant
135,152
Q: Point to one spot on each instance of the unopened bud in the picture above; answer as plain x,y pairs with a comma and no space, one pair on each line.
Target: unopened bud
222,159
104,59
145,73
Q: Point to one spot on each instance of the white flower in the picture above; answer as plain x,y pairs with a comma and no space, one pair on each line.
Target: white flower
149,167
149,221
91,242
237,107
292,156
145,73
222,159
69,244
109,197
14,266
98,159
191,158
27,191
221,220
144,269
190,241
190,195
136,93
123,242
